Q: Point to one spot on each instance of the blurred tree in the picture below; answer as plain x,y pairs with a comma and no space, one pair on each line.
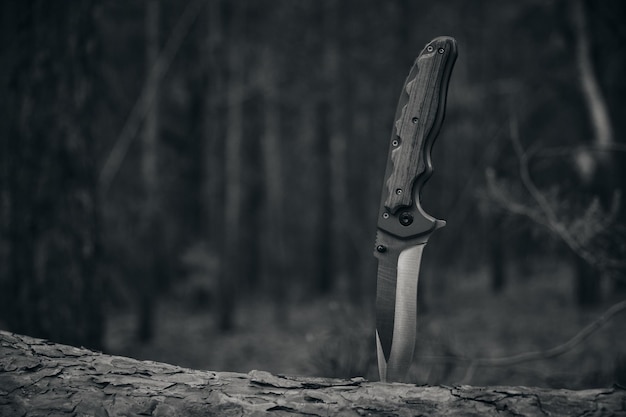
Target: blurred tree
310,154
233,180
52,287
595,165
337,103
150,239
140,237
213,131
273,252
212,58
8,50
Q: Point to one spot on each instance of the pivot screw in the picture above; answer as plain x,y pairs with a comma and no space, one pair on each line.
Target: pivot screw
414,120
385,215
395,142
441,50
381,249
430,48
406,218
399,191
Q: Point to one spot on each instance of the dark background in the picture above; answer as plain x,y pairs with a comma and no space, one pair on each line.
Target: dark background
197,182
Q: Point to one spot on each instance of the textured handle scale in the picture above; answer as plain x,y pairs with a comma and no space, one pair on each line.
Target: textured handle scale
418,119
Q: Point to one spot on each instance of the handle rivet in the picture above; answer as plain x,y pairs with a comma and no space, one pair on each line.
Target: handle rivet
430,48
399,191
381,248
414,120
395,142
441,50
406,218
385,215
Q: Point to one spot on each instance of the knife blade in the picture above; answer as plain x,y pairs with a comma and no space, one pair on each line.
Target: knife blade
403,226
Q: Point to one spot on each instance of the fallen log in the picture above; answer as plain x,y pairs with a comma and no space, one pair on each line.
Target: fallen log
41,378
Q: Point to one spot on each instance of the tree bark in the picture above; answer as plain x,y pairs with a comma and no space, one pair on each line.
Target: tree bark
40,378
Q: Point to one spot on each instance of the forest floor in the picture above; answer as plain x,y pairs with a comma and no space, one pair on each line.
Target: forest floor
328,337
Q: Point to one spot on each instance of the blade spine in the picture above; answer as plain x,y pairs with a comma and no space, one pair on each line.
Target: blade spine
385,290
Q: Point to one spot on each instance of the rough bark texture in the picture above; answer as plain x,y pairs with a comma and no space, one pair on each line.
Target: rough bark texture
41,378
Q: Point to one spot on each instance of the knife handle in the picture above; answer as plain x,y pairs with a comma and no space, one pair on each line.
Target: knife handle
419,117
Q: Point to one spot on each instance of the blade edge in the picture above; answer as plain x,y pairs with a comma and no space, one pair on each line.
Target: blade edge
382,362
405,313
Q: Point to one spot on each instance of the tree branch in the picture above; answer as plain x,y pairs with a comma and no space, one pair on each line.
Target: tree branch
546,215
594,99
555,351
558,350
146,98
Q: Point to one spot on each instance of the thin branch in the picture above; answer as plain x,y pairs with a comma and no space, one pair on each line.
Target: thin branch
594,99
553,352
552,219
505,201
146,98
558,350
560,151
546,215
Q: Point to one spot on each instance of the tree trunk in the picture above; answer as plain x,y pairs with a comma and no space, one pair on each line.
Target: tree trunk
316,255
594,99
497,253
213,127
52,210
337,121
323,243
594,167
39,378
8,50
587,285
233,193
149,238
274,251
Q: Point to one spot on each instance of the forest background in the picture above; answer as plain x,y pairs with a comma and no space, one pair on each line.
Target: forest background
197,182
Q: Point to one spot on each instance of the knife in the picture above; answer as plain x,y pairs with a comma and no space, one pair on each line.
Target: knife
403,226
